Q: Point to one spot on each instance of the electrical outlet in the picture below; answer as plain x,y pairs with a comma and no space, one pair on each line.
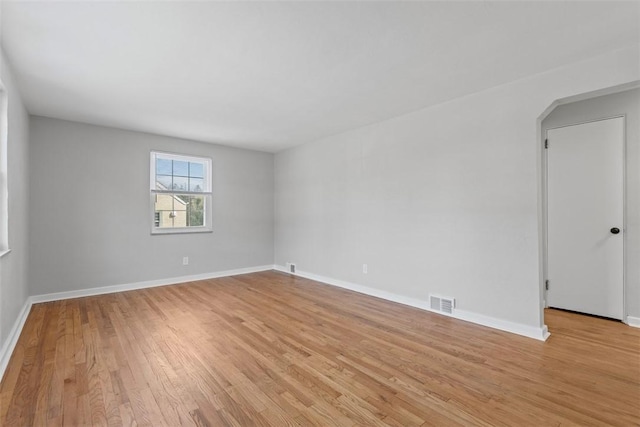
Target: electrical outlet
185,260
365,268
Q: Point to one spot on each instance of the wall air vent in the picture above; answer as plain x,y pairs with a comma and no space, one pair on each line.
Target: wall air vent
442,304
292,268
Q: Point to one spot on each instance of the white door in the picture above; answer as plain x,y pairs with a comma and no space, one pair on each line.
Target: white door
585,217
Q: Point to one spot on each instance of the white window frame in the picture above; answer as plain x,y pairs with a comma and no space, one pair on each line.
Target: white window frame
207,227
4,174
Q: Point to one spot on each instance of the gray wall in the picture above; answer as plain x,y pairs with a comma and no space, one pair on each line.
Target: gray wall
13,266
443,200
90,221
624,103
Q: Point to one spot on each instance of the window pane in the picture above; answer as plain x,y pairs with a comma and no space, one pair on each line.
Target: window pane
196,184
180,183
180,168
196,170
179,210
171,210
195,211
163,167
164,210
163,182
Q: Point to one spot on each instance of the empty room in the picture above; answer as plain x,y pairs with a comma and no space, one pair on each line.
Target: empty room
319,213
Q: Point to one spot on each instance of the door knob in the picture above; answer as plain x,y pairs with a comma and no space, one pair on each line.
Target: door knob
615,230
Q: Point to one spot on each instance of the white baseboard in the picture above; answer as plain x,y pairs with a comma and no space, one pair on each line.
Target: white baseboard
10,343
146,284
504,325
633,321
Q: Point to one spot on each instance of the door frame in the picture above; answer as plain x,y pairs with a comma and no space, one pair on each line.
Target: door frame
541,186
545,218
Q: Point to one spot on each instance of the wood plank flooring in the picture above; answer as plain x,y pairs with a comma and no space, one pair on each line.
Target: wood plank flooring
269,349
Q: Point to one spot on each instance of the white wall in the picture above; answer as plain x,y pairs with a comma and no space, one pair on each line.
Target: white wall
90,221
443,200
625,103
13,266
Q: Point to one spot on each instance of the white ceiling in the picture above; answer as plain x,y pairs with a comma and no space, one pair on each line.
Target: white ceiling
271,75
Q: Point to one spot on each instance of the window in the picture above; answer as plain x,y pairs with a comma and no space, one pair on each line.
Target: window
180,193
4,191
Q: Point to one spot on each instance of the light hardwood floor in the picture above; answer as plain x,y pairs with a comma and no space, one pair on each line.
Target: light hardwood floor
272,349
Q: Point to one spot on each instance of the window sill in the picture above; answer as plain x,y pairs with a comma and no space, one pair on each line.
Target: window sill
4,252
156,232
